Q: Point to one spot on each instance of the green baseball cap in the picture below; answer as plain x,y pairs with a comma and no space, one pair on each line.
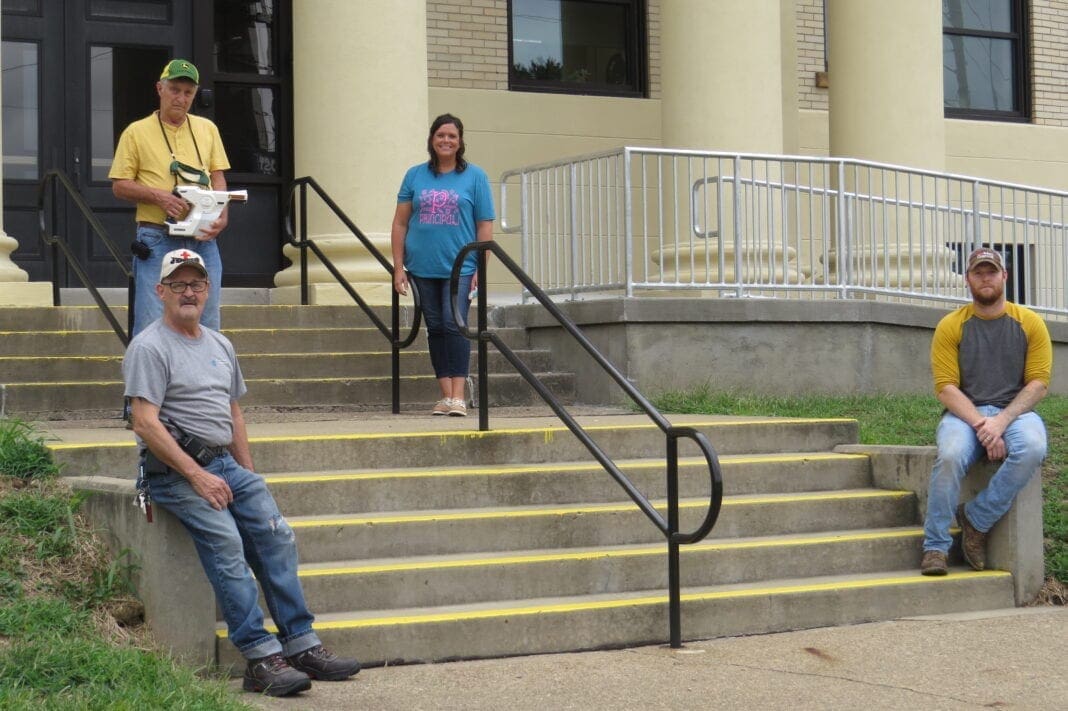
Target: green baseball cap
180,69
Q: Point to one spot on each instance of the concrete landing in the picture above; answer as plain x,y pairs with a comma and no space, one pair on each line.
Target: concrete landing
1011,659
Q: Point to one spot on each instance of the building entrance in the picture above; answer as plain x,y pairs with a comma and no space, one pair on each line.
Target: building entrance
76,72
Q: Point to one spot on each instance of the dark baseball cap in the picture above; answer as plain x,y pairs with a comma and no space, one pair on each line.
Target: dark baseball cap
985,255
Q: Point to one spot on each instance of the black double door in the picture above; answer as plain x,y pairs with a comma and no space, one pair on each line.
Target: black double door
76,72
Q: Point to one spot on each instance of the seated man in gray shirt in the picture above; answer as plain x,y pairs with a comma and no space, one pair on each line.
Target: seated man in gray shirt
184,381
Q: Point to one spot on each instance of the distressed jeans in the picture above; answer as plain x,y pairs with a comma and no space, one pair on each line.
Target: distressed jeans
147,306
250,536
959,449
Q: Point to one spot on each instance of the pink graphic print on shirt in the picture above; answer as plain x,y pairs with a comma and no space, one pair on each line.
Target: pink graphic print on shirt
439,207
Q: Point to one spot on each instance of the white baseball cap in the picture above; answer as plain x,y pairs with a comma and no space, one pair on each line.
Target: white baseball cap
181,258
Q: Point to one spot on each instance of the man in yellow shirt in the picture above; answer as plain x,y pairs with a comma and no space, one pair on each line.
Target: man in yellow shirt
170,147
991,361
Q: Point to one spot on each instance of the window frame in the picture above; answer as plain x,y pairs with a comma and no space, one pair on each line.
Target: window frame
637,39
1021,70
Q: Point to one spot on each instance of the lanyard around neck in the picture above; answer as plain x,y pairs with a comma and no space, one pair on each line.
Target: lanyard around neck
170,150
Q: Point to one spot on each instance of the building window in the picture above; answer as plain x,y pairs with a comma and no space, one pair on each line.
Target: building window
577,46
984,59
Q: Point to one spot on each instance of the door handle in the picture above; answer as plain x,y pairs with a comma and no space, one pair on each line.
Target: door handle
77,168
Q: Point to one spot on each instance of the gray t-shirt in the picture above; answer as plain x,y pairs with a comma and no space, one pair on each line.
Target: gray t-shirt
192,380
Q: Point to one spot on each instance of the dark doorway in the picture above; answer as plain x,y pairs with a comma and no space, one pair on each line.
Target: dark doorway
76,72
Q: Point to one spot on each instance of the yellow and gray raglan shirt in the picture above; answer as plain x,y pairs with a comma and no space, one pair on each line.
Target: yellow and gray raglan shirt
991,360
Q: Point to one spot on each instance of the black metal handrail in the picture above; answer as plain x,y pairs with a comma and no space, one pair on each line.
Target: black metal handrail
303,243
669,528
58,179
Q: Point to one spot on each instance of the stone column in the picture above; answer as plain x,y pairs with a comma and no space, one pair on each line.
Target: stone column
360,120
886,106
722,90
16,289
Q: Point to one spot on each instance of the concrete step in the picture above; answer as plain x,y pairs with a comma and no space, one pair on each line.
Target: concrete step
505,389
368,490
426,581
81,318
413,442
246,340
557,624
414,361
451,531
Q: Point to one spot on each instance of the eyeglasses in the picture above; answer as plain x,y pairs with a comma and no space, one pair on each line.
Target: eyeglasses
189,174
179,287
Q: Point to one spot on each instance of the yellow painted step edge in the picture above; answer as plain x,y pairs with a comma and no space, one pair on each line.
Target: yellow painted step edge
600,553
564,608
593,508
548,432
492,470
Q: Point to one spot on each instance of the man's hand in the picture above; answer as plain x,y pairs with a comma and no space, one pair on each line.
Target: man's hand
214,228
212,489
173,206
989,431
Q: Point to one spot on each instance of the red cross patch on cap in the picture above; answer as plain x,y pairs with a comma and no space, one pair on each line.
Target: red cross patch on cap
181,258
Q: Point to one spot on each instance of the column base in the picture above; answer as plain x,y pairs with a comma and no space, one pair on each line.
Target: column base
26,293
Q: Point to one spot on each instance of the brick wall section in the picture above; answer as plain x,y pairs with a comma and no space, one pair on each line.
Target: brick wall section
467,44
1049,60
468,48
1049,67
652,28
810,58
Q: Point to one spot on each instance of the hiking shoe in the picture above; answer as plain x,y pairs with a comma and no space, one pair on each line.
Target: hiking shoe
934,563
442,406
320,663
972,541
458,408
273,676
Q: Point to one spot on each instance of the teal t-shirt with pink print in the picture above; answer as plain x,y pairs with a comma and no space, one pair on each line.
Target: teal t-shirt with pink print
445,211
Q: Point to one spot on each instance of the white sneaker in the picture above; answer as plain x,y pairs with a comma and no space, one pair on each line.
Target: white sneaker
442,406
458,408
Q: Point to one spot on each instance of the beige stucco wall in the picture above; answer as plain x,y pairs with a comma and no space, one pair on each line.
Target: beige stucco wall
1010,152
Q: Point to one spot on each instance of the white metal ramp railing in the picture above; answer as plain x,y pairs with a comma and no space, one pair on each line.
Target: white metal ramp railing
753,225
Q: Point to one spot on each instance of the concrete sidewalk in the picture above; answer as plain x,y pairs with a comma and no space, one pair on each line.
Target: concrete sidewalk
1000,659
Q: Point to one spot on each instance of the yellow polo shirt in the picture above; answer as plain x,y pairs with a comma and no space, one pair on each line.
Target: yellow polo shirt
142,155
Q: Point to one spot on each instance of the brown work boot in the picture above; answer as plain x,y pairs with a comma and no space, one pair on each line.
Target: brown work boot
274,676
320,663
934,563
972,541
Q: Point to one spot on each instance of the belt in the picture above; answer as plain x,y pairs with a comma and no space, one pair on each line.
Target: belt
220,450
151,225
217,451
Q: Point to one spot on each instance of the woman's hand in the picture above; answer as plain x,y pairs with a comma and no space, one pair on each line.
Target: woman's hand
400,281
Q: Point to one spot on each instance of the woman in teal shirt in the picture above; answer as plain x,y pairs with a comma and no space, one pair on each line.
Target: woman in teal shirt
442,205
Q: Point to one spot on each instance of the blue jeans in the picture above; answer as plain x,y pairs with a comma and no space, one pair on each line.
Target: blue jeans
147,306
450,351
250,533
959,449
